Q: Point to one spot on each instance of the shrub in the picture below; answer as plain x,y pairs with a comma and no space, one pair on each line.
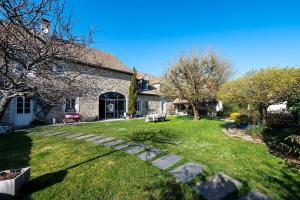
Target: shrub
291,144
279,119
234,115
253,115
256,131
242,120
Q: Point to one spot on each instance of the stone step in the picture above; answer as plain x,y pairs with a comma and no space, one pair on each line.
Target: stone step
187,172
136,149
84,136
94,138
217,187
148,155
66,134
255,195
43,133
124,146
166,161
114,143
54,134
102,140
74,135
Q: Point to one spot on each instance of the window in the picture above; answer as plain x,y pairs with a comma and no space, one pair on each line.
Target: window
27,105
138,105
147,106
70,105
23,105
20,105
59,69
145,85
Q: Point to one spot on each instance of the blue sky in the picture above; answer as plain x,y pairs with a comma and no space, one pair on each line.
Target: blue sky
148,34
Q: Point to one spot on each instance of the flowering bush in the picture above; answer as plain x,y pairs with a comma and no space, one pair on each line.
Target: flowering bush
234,115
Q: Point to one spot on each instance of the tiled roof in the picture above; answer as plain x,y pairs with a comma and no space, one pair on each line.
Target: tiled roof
102,59
149,77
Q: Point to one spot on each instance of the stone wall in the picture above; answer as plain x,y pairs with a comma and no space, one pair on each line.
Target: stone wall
154,103
95,82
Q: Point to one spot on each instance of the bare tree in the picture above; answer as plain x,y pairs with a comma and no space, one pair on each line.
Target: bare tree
31,56
195,77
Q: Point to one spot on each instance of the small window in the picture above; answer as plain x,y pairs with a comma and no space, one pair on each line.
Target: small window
27,104
145,85
138,106
147,106
70,105
59,69
20,105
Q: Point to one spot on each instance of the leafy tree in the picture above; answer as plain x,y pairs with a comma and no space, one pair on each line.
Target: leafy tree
132,96
261,88
293,102
195,77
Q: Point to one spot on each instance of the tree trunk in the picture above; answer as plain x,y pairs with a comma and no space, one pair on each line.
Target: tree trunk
195,111
3,105
263,114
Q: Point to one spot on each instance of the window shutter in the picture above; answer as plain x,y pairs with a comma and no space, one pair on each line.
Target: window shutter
77,104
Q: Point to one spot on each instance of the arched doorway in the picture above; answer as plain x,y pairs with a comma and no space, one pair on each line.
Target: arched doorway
112,105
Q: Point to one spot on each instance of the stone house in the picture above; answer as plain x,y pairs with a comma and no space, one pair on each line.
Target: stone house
109,80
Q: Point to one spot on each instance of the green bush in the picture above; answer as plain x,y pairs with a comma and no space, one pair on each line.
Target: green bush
291,144
256,131
242,120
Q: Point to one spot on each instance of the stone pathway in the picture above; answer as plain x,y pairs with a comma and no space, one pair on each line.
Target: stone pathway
187,172
85,137
217,187
166,161
136,149
148,155
114,143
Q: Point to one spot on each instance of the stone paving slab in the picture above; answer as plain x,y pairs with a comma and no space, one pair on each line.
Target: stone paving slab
124,146
113,143
94,138
187,172
166,161
136,149
148,155
66,134
84,136
102,140
255,195
54,134
44,133
217,187
74,135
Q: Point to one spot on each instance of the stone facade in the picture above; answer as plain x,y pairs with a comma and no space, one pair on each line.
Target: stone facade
97,81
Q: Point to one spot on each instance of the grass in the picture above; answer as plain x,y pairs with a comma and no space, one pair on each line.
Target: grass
69,169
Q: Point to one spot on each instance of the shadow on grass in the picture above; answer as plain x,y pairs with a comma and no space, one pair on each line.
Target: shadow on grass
162,136
15,152
169,190
156,136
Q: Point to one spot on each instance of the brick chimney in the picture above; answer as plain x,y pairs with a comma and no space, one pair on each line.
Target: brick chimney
45,26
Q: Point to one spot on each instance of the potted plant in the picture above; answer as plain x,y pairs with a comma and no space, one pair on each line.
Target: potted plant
12,180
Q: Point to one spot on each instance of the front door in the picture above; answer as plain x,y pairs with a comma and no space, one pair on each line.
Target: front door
24,111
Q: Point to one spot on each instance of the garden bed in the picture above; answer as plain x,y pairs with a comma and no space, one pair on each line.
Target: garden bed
240,133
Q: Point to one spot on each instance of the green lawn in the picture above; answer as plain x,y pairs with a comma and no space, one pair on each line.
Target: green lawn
69,169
